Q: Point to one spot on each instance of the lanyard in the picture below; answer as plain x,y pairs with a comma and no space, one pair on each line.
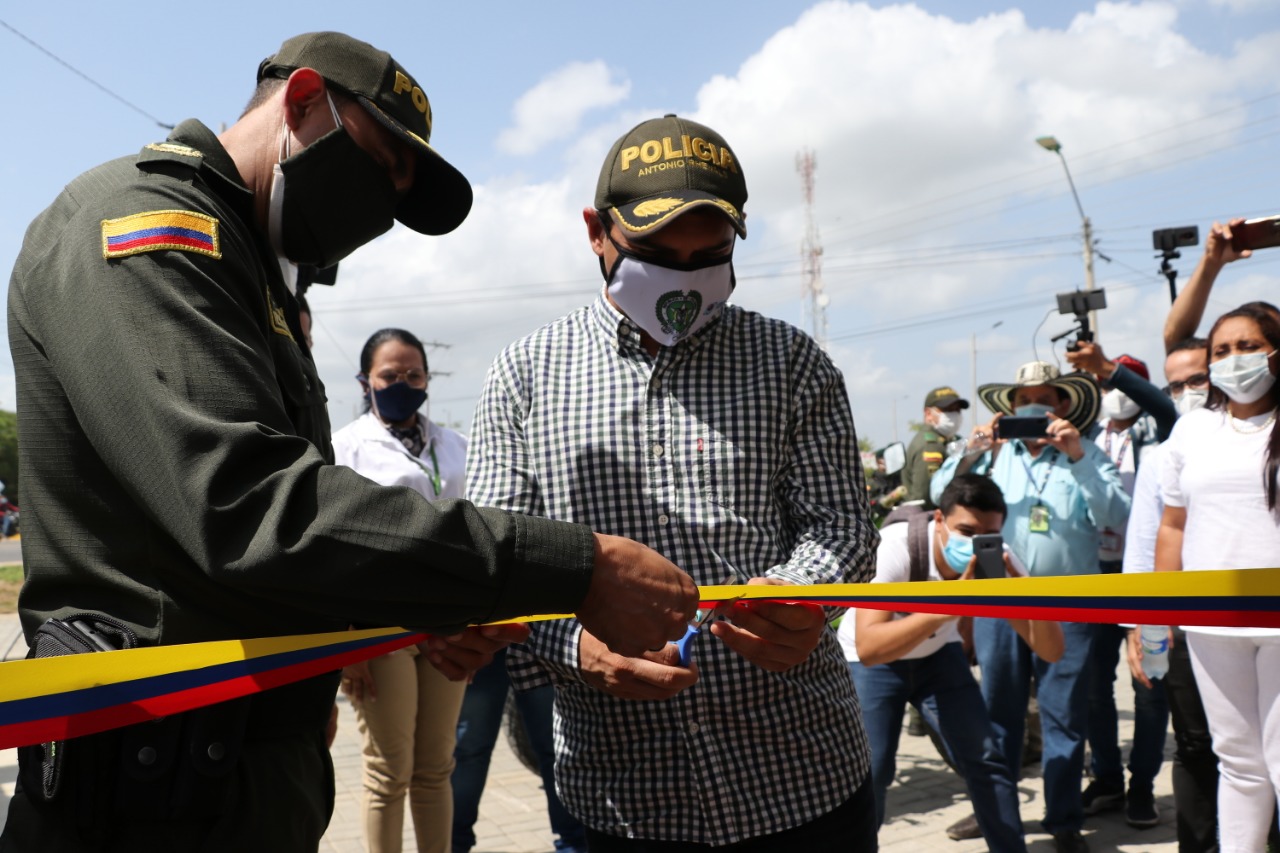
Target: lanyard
1124,446
433,473
1048,472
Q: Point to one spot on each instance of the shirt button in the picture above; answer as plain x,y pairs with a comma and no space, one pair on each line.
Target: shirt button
694,728
657,450
663,519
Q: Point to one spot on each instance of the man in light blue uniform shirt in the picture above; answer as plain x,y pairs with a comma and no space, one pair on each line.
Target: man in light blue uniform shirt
1060,491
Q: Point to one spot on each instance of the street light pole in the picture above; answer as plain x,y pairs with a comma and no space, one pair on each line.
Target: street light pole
1050,143
973,365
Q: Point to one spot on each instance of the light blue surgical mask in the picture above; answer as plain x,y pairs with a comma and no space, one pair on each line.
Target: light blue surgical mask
958,550
1033,410
1243,378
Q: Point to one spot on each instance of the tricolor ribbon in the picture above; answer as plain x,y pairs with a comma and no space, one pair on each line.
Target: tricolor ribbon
57,698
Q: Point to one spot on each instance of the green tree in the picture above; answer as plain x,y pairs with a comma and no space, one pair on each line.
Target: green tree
9,454
865,444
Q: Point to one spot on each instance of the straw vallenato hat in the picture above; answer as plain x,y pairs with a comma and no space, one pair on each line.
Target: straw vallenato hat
1080,388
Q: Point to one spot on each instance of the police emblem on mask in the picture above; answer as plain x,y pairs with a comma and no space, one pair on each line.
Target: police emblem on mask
677,310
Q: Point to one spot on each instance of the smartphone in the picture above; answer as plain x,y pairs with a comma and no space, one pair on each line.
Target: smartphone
1019,426
1256,234
989,549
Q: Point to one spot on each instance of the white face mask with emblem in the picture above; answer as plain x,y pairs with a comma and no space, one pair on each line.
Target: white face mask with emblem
670,303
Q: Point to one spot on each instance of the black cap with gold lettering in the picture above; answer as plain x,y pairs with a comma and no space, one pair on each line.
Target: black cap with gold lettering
440,197
665,166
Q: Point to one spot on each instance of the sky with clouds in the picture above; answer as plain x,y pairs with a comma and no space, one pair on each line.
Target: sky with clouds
943,224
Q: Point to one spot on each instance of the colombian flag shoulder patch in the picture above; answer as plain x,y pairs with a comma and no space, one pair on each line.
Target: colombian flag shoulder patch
156,230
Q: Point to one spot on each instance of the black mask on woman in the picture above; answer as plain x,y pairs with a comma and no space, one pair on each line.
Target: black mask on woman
398,401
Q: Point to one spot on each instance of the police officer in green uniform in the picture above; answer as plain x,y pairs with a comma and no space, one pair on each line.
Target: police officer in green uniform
177,470
943,415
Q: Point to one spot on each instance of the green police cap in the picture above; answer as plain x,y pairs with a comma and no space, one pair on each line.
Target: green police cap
440,197
665,166
943,397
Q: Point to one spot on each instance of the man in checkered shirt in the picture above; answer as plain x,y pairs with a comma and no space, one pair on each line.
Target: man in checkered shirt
724,440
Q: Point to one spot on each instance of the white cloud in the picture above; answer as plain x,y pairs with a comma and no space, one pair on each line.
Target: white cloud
519,261
931,197
1242,6
553,109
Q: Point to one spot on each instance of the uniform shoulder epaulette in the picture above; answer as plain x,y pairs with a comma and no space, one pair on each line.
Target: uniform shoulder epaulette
171,151
158,230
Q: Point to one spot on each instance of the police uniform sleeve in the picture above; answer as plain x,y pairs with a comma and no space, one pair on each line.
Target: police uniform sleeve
909,469
164,362
501,473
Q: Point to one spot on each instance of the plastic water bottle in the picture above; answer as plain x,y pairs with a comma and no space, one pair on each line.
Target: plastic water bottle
1155,650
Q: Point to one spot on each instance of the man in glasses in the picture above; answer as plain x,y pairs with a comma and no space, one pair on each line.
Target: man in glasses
1136,416
1195,767
723,439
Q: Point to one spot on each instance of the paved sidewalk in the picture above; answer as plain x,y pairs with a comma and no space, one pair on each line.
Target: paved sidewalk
925,800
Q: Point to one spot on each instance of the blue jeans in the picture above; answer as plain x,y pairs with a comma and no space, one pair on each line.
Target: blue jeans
944,681
1150,718
1008,666
478,728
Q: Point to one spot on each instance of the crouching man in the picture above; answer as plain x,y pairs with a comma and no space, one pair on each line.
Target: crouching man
896,658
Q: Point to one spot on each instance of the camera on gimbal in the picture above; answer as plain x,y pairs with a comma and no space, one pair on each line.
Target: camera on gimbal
1080,303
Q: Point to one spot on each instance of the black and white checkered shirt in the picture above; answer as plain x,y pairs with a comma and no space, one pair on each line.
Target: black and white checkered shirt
734,455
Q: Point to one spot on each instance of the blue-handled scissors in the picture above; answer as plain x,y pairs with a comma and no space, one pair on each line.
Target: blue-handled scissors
704,616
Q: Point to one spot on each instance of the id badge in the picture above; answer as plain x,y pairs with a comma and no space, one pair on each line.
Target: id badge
1039,519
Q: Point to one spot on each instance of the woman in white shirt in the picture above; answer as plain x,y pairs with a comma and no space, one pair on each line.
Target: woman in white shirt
1219,485
407,710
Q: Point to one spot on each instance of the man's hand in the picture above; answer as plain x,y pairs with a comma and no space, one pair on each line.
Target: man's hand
1089,357
1133,652
461,655
1217,246
1065,437
638,599
357,683
983,436
652,676
772,635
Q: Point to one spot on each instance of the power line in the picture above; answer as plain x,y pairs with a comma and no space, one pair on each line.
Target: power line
83,76
887,226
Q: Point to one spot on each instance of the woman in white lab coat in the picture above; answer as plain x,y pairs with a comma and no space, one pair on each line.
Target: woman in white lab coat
407,710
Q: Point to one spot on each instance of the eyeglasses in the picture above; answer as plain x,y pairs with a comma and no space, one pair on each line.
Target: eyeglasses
413,377
1175,389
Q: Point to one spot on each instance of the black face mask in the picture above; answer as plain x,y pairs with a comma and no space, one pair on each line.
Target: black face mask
328,200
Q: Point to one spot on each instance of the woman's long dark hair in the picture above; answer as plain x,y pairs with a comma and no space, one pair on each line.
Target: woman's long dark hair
1269,325
379,338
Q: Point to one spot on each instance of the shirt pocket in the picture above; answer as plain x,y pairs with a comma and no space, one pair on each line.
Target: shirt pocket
302,392
716,466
